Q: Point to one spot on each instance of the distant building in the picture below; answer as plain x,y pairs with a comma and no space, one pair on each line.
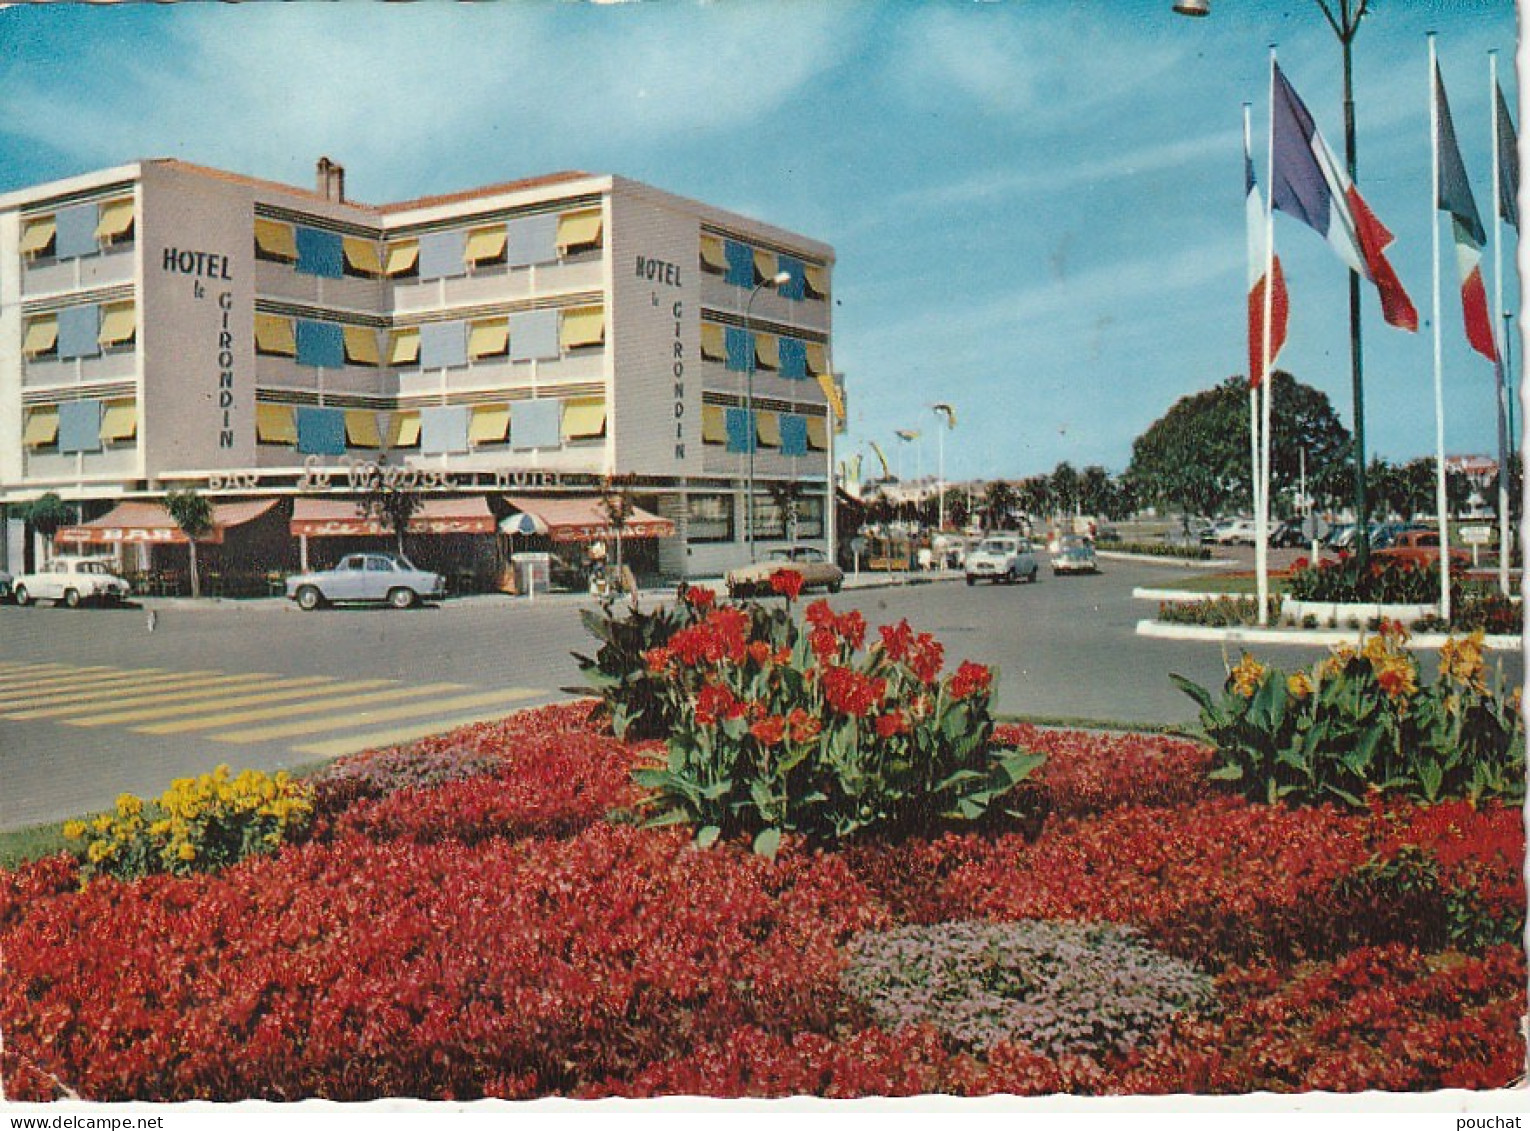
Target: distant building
504,350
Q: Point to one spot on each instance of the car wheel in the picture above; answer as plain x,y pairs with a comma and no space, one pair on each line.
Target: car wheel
309,598
836,586
71,598
401,598
22,596
971,580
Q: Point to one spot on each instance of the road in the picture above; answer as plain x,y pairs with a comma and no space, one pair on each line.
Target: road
93,703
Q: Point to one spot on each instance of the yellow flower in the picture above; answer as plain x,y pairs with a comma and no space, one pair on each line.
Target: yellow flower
98,851
1247,676
1398,678
102,824
1299,685
187,851
128,805
1461,661
74,830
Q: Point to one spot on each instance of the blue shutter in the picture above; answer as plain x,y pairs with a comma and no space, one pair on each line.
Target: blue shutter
321,431
740,263
793,434
793,354
79,426
740,349
320,253
320,344
75,231
443,255
532,239
741,430
796,288
444,429
534,335
443,345
536,424
79,331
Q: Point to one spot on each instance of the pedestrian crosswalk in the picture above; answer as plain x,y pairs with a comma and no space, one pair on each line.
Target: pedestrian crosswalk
322,716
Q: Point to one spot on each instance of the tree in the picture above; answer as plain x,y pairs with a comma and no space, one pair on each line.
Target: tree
999,503
1065,488
1196,456
44,514
617,505
1094,490
194,515
1035,496
390,506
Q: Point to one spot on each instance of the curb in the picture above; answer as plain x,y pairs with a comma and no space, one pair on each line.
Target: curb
1154,559
1299,636
1146,593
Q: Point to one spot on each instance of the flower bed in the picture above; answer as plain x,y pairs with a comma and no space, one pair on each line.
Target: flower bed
506,932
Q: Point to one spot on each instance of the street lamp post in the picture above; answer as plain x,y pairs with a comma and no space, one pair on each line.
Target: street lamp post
779,279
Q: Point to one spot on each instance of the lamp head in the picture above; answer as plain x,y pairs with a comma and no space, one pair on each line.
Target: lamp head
1193,7
780,278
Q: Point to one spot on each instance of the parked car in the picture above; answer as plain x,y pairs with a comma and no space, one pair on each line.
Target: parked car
1419,547
372,578
5,586
1387,534
72,580
1002,557
817,571
1288,533
1075,555
1237,532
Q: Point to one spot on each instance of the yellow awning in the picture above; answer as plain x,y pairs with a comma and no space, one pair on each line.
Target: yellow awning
405,430
41,335
576,229
362,255
119,322
768,425
583,326
818,433
361,428
274,334
490,424
115,218
714,424
42,427
405,348
486,243
584,418
767,351
714,342
489,339
276,423
361,346
764,263
275,238
817,361
712,253
119,421
402,256
817,279
831,394
37,234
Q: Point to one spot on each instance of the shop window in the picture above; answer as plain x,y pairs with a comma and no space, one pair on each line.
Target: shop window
579,232
583,327
40,340
769,518
486,247
361,346
115,222
489,338
39,237
714,257
714,425
402,260
275,241
274,336
276,424
709,518
119,326
41,430
810,517
362,259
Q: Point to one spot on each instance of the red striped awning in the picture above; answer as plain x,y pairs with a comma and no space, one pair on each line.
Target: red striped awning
146,522
336,518
582,519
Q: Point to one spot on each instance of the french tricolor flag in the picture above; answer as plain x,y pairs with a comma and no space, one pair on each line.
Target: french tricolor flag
1453,194
1308,182
1258,257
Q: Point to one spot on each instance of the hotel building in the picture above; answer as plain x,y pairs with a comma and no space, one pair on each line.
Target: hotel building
504,351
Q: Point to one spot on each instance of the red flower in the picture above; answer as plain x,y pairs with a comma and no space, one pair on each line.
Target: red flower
1300,563
787,582
759,652
714,702
819,615
896,640
805,728
825,644
851,693
891,723
657,658
926,658
699,597
970,679
769,730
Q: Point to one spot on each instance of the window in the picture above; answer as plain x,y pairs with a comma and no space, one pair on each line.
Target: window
404,430
79,426
536,424
741,349
402,260
584,418
815,359
532,239
41,428
361,346
768,425
275,241
39,235
76,232
362,259
41,337
767,354
810,517
321,431
792,356
740,259
274,336
579,232
795,288
114,226
404,348
119,424
276,424
320,253
79,331
444,429
490,424
486,247
815,282
709,518
793,433
818,433
361,428
740,428
583,326
764,265
534,336
714,342
714,259
714,424
488,338
119,326
443,255
769,518
320,344
443,345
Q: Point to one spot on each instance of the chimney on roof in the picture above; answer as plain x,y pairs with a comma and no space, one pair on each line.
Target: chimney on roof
331,178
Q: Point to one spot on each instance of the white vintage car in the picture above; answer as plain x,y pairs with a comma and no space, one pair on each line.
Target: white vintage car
366,578
72,580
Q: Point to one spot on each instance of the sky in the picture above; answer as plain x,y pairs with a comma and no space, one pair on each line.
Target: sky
1037,206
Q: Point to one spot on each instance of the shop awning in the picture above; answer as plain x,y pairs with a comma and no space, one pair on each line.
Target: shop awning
341,518
582,519
150,522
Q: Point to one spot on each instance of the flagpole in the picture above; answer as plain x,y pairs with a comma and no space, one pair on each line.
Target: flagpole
1255,478
1267,379
1441,500
1500,371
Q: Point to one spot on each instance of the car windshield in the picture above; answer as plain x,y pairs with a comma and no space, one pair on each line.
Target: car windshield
779,556
996,546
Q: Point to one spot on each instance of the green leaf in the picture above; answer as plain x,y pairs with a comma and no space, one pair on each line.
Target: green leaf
1229,772
707,836
1194,690
768,843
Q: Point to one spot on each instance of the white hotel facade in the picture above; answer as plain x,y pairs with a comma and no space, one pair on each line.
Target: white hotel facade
504,350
